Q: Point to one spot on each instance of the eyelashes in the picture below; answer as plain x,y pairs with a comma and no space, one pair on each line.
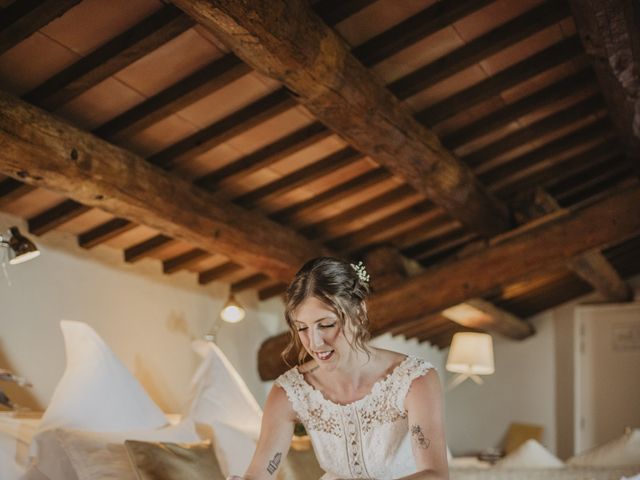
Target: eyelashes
331,325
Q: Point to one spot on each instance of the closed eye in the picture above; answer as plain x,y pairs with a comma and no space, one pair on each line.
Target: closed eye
328,326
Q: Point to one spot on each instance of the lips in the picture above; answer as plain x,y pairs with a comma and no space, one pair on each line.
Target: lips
325,355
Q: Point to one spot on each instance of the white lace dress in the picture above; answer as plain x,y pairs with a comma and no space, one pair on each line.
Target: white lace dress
368,438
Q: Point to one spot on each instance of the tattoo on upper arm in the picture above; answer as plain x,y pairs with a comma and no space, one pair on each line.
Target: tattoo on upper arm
421,441
274,463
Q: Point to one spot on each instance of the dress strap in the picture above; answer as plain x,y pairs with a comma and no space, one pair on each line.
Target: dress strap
406,373
296,389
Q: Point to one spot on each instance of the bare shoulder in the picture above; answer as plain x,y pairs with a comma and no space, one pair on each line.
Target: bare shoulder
388,359
278,404
425,387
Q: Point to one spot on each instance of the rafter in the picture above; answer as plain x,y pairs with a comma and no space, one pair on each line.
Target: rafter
528,249
347,97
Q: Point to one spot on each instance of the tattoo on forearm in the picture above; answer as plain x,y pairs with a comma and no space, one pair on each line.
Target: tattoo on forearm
274,463
416,433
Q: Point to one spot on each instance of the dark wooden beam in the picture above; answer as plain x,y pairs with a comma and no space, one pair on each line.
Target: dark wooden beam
218,273
184,261
548,58
110,58
516,254
609,32
104,232
12,190
344,95
269,292
480,48
23,18
147,248
62,213
91,171
253,282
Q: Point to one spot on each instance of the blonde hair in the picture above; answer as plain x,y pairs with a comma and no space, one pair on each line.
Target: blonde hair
337,284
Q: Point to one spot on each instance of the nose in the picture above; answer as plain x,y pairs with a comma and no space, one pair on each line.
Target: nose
316,338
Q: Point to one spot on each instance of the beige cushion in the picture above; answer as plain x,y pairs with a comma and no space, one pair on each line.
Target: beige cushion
168,461
622,451
531,455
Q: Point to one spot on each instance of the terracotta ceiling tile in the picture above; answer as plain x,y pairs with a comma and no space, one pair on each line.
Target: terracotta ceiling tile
568,27
249,183
468,116
521,50
487,139
134,236
225,101
158,136
539,81
308,155
377,18
82,223
270,131
79,30
207,263
20,76
444,89
99,104
348,172
207,162
33,203
492,16
419,54
172,250
211,38
557,106
170,63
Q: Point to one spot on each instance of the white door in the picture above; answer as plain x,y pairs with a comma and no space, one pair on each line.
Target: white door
607,387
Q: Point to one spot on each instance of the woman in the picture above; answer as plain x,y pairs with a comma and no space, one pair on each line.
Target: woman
371,413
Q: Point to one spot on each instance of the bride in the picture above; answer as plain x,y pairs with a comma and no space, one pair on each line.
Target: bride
371,413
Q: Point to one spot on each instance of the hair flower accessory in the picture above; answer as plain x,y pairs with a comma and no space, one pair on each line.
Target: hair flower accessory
361,271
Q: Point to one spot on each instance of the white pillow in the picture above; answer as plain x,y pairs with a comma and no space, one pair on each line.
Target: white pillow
621,452
530,455
15,436
218,393
233,448
65,454
96,391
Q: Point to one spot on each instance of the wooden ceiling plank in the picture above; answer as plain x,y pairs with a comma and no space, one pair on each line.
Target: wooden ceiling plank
273,291
91,171
298,178
184,261
218,273
12,190
22,19
546,173
586,177
537,100
104,232
554,122
174,98
548,58
607,222
496,177
345,96
110,58
429,229
332,195
62,213
146,248
266,156
221,131
334,11
597,176
609,32
605,187
417,27
496,40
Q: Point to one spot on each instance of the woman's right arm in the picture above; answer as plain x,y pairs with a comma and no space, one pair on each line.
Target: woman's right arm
278,420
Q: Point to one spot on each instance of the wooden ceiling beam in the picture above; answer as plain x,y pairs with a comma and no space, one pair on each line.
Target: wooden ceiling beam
496,40
12,190
219,272
110,58
484,158
427,230
184,261
22,19
91,171
104,232
551,57
518,253
544,97
609,33
344,95
60,214
147,248
270,292
605,178
253,282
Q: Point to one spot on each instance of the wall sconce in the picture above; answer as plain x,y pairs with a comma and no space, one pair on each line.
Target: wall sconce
470,355
232,312
20,249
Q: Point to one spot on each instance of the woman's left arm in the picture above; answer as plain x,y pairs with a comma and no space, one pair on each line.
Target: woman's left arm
426,428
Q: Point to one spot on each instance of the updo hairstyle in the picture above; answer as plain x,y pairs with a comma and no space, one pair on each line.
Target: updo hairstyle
335,283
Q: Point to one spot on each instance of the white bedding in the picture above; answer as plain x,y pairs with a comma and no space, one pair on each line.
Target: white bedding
564,473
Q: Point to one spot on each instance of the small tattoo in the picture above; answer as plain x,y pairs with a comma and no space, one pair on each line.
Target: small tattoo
273,464
416,431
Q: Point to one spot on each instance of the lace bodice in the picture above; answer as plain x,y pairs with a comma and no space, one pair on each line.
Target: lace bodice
368,438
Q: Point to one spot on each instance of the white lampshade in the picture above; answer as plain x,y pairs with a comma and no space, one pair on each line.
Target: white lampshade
232,312
471,354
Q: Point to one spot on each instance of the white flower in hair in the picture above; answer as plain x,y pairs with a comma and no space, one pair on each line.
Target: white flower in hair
361,271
